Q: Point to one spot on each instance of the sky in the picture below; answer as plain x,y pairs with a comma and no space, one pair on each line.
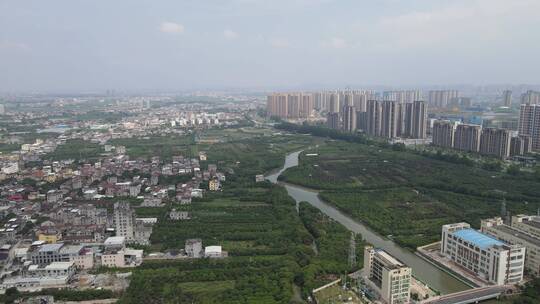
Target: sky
67,45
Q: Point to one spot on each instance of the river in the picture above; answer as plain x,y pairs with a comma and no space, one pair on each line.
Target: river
422,269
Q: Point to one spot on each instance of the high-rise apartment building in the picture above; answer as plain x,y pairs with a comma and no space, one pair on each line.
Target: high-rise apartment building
467,137
349,119
361,120
373,118
334,103
462,102
441,98
124,221
391,119
293,105
495,142
515,236
333,121
391,277
415,120
443,133
530,97
277,105
529,123
290,105
490,259
318,101
507,98
402,96
306,105
360,99
520,145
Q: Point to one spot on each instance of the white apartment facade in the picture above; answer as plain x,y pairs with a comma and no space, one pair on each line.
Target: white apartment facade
490,259
391,277
496,228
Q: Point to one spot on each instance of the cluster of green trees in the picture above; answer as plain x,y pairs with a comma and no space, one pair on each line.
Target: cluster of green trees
262,272
410,218
388,189
232,280
323,132
530,293
281,252
487,163
269,244
332,242
13,294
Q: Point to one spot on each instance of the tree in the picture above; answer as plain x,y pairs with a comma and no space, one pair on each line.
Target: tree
513,170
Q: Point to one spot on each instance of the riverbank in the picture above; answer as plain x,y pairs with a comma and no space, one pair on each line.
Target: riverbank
429,253
422,269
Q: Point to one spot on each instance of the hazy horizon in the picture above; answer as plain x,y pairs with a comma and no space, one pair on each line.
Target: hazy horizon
67,46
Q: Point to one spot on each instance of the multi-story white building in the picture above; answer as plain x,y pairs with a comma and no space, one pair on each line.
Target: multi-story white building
54,269
194,248
529,123
496,228
528,223
124,221
391,277
490,259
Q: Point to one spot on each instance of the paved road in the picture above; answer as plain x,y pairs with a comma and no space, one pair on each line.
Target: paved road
470,296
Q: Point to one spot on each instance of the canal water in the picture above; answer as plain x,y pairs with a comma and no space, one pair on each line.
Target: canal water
422,269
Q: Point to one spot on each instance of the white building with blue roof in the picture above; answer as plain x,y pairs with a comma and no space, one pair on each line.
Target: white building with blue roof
488,258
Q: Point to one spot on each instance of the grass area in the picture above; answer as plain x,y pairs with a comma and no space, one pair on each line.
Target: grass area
407,195
226,202
77,149
202,287
336,294
7,148
162,146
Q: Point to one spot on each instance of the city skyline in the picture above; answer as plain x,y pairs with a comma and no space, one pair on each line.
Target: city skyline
188,45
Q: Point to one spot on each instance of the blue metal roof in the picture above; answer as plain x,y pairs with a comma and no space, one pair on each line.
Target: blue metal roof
479,239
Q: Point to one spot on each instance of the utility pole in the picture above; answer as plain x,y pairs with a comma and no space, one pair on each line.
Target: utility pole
352,251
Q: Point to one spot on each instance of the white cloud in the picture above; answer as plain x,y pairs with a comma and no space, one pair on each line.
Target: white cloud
171,28
279,43
229,34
